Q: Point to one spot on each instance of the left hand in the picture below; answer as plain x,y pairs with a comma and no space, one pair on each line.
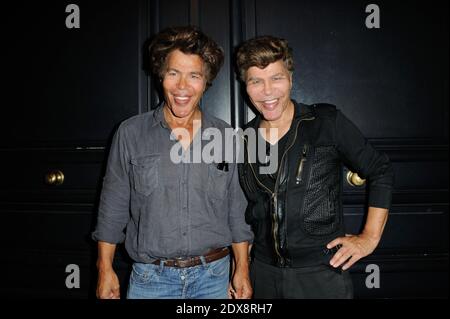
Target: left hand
240,287
354,247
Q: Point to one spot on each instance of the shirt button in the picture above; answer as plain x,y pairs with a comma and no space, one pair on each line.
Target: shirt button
183,277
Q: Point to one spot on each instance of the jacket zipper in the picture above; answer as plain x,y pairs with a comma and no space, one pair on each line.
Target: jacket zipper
274,194
298,178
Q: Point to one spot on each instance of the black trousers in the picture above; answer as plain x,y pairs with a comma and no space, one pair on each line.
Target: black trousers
316,282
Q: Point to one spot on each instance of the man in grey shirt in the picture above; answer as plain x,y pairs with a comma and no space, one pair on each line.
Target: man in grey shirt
176,212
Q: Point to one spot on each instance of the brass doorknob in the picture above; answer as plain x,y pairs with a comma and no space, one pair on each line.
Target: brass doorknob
54,178
354,180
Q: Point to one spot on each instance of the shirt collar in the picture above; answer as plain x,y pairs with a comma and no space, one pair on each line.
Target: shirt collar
159,119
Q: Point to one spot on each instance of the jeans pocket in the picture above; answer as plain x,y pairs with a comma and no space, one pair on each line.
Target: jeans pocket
142,274
145,174
219,267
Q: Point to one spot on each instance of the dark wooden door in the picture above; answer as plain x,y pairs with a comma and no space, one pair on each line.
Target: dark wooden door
65,91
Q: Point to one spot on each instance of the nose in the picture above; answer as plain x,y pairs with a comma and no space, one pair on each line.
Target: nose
267,88
181,83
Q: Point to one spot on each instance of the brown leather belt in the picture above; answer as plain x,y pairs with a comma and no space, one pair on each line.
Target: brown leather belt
210,256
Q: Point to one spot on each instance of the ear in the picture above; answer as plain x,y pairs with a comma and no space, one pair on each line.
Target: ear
206,86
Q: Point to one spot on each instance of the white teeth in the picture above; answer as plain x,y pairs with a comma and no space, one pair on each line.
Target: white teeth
271,101
182,99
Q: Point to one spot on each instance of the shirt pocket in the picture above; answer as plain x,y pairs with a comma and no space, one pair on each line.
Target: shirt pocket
217,182
145,174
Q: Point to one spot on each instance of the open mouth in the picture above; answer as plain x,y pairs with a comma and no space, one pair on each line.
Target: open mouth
182,99
270,104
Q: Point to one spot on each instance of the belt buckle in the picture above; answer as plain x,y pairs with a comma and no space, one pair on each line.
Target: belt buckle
177,261
181,262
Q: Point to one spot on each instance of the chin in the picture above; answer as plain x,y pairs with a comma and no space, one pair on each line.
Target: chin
181,111
271,116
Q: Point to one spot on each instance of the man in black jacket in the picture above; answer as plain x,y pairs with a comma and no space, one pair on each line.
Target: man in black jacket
300,248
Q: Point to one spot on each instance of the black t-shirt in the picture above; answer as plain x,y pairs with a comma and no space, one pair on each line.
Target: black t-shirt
269,179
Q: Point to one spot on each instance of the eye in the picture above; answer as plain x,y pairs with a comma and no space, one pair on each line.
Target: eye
254,81
196,76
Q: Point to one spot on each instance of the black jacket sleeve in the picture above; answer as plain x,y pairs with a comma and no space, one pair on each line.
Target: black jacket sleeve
362,158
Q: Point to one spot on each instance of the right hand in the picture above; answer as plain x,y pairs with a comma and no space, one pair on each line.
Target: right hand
108,286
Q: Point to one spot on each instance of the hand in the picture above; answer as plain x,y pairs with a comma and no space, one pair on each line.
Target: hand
230,291
108,285
240,287
354,247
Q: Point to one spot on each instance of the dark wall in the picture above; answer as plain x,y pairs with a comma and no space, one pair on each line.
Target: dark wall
65,91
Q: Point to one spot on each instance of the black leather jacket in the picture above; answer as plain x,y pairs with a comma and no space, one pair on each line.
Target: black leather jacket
304,211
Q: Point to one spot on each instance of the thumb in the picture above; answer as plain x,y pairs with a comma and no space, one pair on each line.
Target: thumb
115,292
239,292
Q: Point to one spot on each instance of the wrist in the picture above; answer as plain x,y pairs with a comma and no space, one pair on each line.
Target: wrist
242,267
104,265
372,236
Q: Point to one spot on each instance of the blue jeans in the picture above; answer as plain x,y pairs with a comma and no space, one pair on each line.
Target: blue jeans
205,281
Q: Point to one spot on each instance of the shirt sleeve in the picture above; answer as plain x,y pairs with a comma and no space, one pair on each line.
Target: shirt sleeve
240,230
113,212
362,158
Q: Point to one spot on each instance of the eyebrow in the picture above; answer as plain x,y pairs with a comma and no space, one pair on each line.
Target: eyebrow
253,79
178,71
272,76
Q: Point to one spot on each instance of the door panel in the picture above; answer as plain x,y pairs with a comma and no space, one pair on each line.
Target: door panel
68,86
397,74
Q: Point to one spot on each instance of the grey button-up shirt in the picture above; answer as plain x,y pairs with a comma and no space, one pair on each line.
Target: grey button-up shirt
168,209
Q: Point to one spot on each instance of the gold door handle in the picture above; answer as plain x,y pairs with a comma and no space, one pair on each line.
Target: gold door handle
54,178
354,180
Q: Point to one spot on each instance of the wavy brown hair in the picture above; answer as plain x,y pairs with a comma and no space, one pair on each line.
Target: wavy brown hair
262,51
189,40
